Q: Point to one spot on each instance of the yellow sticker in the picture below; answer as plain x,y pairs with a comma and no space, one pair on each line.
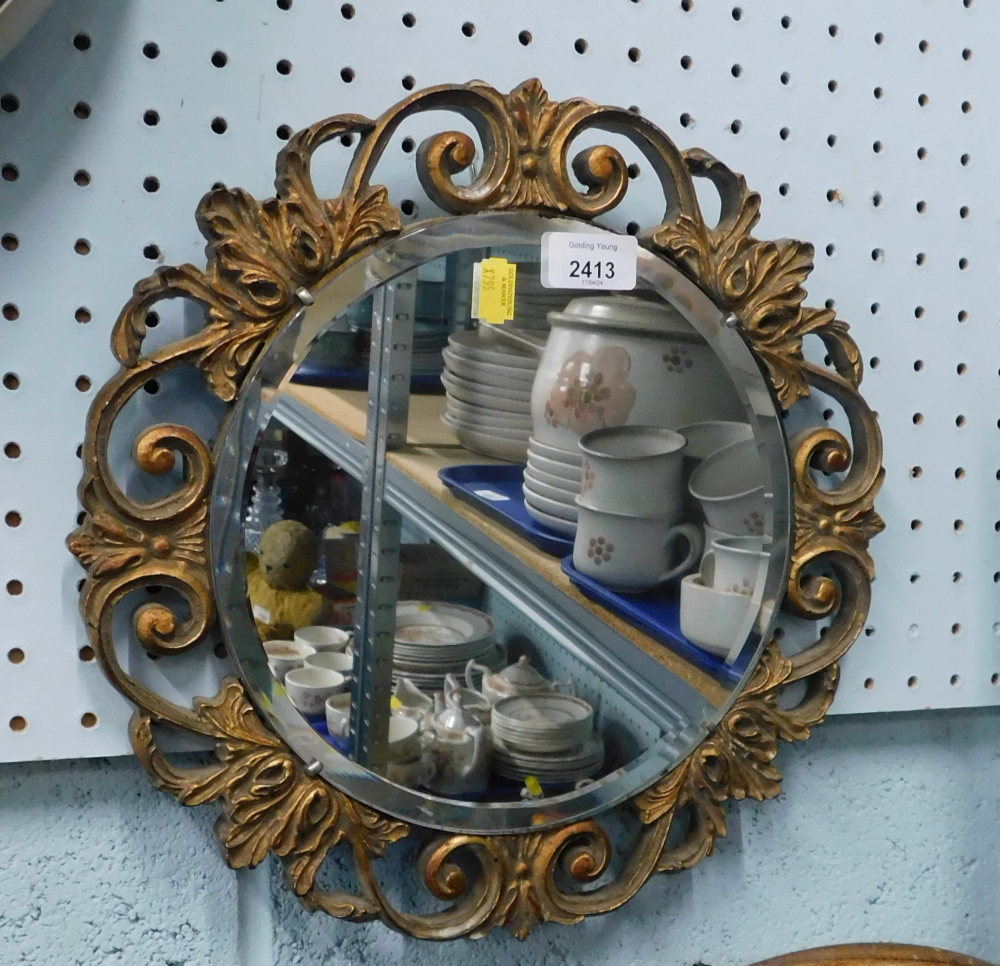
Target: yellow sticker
532,784
395,703
493,290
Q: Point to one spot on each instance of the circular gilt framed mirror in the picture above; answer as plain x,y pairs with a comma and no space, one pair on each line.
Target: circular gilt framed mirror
503,520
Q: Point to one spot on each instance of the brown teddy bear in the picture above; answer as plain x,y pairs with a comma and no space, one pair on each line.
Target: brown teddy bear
278,581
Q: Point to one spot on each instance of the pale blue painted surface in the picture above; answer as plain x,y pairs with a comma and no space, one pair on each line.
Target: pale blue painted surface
889,830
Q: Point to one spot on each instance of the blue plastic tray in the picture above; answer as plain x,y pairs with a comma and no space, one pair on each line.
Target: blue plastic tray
496,491
657,613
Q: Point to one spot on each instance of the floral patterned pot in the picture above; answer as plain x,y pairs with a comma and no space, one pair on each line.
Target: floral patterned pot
623,360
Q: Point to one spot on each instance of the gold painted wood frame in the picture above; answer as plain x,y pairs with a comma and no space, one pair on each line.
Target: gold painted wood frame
262,257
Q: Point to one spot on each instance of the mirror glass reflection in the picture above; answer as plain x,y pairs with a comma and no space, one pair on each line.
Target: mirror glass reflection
494,576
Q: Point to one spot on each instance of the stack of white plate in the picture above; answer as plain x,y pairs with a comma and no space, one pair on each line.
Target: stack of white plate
549,736
551,486
434,639
488,391
428,341
533,302
559,768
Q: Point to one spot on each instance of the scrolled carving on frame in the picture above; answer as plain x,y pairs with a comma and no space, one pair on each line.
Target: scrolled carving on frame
260,257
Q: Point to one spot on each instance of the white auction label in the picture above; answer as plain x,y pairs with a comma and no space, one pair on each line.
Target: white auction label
588,260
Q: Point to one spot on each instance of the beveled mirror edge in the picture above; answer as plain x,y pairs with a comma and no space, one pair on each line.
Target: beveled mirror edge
262,260
226,550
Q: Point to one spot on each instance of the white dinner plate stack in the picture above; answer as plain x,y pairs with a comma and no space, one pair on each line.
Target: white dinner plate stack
549,736
428,341
488,395
551,486
434,639
533,302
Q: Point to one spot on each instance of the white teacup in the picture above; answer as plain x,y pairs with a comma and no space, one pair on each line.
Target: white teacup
631,553
734,565
714,620
332,661
633,469
729,486
322,638
404,738
309,687
285,656
338,714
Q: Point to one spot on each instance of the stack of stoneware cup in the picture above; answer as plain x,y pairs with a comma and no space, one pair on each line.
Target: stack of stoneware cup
728,486
488,394
630,536
550,736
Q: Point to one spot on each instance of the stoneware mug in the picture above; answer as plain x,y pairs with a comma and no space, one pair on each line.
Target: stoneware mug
633,469
629,552
285,656
714,620
309,687
322,638
734,564
729,486
704,439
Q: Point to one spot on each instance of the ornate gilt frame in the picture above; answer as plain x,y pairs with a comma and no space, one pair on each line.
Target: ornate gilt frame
260,259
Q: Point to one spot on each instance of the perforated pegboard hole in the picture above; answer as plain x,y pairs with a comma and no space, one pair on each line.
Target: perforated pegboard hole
9,103
81,178
86,654
869,684
283,131
956,629
9,172
15,588
911,682
88,719
960,421
914,578
151,184
284,4
15,655
11,381
83,383
219,125
18,723
347,11
955,680
152,252
11,312
12,518
408,82
958,526
81,246
151,118
82,110
283,67
12,451
151,50
82,315
9,242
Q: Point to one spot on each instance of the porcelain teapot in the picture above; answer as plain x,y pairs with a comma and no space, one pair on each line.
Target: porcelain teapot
461,748
468,698
513,681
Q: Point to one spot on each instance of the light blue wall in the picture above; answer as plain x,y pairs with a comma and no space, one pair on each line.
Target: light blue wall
889,830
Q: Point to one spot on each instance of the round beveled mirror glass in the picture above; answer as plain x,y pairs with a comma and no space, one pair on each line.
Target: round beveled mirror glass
577,523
